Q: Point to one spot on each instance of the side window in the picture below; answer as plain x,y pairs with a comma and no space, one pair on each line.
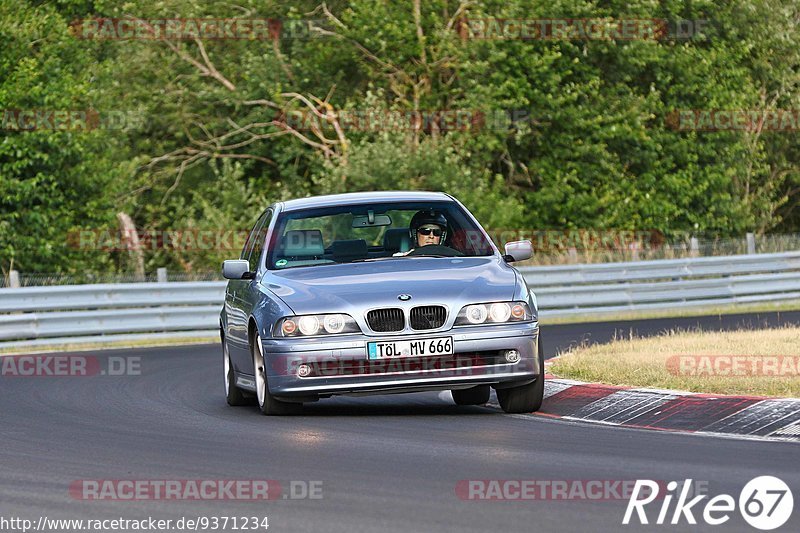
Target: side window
252,239
248,245
259,240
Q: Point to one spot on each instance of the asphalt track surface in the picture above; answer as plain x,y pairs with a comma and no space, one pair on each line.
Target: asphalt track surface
386,463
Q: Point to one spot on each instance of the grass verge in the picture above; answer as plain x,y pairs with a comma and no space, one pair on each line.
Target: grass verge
755,363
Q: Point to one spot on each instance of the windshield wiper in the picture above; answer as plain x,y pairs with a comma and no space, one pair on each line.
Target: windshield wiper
369,259
376,259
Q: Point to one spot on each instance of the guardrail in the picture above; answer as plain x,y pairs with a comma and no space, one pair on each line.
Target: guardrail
91,313
78,313
574,289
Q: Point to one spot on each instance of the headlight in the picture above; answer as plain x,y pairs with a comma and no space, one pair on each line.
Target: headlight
334,323
476,314
500,312
307,325
493,313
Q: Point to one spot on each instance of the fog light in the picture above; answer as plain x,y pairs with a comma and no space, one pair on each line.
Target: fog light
303,370
512,356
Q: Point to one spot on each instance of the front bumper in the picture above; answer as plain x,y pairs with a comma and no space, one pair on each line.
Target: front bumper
341,366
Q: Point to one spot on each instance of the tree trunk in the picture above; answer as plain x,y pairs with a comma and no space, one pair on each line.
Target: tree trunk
131,239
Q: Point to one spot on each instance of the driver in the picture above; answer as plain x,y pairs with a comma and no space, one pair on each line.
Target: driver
426,227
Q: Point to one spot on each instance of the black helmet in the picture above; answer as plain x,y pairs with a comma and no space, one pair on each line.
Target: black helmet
427,216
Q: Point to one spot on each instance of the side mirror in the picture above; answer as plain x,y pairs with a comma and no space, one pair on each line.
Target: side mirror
518,251
236,269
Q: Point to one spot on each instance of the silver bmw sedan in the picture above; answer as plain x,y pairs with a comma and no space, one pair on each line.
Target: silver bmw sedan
378,293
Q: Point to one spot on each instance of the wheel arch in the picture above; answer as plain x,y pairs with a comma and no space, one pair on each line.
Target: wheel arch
252,329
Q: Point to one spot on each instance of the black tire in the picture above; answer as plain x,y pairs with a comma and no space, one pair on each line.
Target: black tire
474,396
233,394
526,398
267,403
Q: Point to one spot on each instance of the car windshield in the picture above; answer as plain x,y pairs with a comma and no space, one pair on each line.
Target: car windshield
374,232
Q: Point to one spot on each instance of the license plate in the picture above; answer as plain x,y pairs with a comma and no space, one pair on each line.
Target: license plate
410,348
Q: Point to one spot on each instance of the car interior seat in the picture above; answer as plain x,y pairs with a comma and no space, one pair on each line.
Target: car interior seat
346,251
396,240
302,246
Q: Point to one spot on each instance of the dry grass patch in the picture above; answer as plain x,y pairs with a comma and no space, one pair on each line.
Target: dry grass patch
759,363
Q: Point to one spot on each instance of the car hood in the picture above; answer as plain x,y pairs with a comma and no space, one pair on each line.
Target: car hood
354,287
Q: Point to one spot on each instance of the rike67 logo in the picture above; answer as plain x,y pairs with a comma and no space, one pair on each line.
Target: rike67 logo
765,503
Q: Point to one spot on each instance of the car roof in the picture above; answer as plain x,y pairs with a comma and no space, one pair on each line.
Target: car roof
363,198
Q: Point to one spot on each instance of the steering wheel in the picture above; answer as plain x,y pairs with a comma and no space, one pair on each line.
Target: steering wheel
435,249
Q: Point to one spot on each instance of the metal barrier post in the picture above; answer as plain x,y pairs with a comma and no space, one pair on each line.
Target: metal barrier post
751,243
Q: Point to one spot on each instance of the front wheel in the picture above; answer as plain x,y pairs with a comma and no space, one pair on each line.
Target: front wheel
526,398
267,403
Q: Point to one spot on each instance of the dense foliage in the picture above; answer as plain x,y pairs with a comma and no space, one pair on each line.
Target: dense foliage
556,133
